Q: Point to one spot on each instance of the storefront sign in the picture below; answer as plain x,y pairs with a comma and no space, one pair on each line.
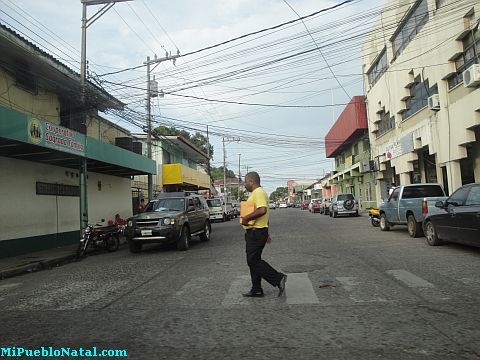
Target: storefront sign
399,147
56,137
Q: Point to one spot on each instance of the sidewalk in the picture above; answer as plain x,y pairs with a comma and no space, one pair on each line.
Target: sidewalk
39,260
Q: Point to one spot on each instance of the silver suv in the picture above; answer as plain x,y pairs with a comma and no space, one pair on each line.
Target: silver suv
343,204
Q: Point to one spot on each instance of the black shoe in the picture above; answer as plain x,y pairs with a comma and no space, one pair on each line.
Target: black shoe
254,294
281,285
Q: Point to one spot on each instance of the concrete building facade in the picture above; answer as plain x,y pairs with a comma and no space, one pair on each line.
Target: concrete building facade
422,77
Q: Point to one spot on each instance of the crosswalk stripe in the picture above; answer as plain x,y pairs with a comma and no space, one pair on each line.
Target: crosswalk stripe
410,279
234,295
299,290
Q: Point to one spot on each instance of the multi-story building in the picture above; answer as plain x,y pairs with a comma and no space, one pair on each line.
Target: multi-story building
44,138
347,142
422,76
180,166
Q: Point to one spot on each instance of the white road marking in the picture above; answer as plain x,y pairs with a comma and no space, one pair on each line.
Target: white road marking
410,279
299,290
234,296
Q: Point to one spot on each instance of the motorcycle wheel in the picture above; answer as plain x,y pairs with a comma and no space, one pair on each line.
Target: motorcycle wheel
82,249
375,222
112,243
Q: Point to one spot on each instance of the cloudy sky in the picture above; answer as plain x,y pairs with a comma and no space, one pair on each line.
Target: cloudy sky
273,91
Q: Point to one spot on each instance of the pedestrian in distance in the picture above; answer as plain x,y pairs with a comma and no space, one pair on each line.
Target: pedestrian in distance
257,235
141,206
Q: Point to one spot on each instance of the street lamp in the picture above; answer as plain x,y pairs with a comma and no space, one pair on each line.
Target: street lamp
83,77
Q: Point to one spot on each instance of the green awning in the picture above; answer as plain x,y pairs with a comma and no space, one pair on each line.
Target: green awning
31,138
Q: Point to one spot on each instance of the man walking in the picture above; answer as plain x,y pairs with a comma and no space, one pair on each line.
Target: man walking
256,236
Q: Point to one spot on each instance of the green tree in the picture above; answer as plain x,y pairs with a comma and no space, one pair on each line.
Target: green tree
198,139
279,194
233,192
217,173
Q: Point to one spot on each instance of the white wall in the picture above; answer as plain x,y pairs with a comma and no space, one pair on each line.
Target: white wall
23,213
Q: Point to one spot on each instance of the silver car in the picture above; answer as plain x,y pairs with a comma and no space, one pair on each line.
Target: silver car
343,204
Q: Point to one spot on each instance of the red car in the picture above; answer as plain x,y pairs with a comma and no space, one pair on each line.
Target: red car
304,205
315,207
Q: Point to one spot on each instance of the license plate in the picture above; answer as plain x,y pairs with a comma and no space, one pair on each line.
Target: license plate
146,232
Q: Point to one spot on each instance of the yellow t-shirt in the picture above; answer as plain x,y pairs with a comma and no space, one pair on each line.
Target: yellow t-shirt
260,198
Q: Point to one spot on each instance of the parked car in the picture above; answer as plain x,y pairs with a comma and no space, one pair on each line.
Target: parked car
215,209
272,206
314,206
282,205
408,205
343,204
457,219
236,209
304,205
325,206
230,211
170,218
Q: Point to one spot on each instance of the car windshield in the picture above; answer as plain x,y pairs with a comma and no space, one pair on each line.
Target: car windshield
344,197
168,204
214,203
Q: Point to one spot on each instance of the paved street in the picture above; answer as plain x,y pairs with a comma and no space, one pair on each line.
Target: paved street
353,292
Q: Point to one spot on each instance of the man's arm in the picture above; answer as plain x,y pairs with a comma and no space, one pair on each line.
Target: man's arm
254,215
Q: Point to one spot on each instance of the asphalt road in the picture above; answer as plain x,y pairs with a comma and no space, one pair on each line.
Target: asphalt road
353,292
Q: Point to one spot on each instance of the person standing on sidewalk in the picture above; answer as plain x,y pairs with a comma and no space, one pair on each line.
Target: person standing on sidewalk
256,236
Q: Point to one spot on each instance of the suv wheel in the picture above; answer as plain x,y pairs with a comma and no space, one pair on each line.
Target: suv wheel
384,225
414,227
183,242
134,246
335,214
431,235
207,230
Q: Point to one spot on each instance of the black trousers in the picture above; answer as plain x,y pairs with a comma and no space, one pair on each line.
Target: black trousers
255,242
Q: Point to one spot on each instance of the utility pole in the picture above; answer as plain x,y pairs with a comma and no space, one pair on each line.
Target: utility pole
239,177
236,139
224,175
107,5
149,115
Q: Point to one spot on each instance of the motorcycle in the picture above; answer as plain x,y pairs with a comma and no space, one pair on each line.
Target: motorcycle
98,236
374,216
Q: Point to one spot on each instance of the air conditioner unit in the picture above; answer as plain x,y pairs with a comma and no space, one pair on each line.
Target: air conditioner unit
434,102
471,76
364,166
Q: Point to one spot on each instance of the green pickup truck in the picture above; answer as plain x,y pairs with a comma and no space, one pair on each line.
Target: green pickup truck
408,205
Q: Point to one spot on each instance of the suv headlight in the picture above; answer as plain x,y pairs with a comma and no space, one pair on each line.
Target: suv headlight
168,221
129,223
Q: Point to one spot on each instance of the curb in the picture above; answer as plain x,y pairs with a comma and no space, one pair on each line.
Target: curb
36,266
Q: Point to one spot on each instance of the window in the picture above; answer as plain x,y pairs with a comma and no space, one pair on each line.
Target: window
439,3
366,144
24,78
395,194
469,56
419,93
57,189
411,26
473,197
386,123
414,192
355,149
458,197
378,68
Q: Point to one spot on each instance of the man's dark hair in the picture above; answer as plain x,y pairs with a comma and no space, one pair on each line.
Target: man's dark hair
254,176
